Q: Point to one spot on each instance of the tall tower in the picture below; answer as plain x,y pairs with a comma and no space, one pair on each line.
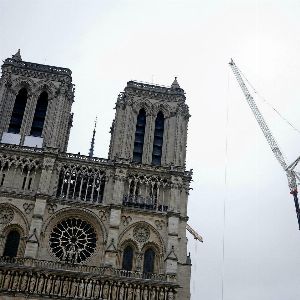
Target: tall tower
35,104
77,226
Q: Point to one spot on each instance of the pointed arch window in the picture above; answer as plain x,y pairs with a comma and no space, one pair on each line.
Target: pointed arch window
139,136
127,259
39,115
18,112
158,139
149,259
12,244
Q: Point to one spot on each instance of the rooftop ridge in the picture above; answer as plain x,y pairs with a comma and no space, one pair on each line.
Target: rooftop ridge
37,67
148,83
140,85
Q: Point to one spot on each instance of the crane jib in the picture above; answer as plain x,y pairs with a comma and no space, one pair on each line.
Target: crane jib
270,138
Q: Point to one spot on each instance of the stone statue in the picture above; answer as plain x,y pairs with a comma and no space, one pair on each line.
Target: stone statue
81,288
171,295
6,280
161,294
153,294
73,288
114,290
130,293
121,292
105,290
89,289
40,284
97,289
138,293
145,294
32,283
65,287
15,283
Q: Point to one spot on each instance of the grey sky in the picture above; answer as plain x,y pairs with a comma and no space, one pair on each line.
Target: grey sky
107,43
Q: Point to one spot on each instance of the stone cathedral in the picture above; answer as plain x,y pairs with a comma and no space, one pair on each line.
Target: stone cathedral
75,226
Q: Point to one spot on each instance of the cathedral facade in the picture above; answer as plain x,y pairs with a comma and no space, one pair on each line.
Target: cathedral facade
75,226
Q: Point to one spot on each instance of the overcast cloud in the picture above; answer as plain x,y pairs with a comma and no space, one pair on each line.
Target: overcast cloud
107,43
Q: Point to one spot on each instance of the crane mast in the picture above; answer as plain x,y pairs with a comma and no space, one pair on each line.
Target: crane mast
269,137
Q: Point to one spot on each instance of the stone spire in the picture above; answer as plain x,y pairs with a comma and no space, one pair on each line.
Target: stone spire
175,84
91,152
17,56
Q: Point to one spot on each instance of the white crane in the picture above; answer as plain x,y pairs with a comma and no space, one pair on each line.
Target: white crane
292,176
194,233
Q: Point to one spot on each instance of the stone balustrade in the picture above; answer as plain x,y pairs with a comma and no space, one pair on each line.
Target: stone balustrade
64,281
76,177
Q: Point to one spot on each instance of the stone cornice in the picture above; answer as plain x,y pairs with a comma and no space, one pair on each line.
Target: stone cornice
153,90
37,67
77,159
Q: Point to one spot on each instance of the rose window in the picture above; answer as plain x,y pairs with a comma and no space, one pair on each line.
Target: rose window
141,233
73,240
6,215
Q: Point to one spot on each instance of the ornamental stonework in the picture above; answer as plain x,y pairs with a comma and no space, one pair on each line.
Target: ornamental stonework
73,240
141,233
6,215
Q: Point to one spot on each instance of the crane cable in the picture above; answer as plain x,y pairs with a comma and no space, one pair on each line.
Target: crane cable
265,101
225,183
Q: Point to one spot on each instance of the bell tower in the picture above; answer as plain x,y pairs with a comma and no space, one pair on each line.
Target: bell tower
35,104
150,126
83,227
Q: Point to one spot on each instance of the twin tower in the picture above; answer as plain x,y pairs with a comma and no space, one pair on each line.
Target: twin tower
76,226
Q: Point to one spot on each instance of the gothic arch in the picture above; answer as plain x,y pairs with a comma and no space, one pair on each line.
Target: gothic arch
45,86
164,108
18,223
19,219
128,242
19,161
86,214
23,82
142,104
155,238
21,243
121,247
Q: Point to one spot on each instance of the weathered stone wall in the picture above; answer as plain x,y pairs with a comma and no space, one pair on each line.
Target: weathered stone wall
76,214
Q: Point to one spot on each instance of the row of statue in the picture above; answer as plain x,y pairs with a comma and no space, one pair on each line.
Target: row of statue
62,285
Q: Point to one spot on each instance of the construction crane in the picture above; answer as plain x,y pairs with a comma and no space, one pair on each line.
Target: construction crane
194,233
292,176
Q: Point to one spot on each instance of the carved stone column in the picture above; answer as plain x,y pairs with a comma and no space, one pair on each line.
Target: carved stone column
119,186
172,248
176,184
5,97
32,244
111,251
108,189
